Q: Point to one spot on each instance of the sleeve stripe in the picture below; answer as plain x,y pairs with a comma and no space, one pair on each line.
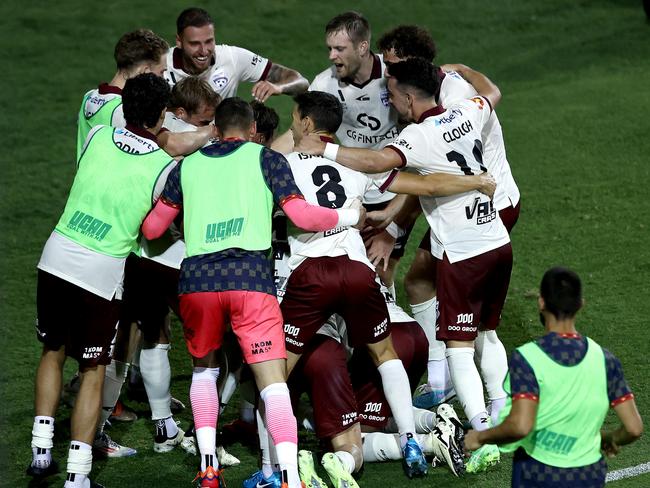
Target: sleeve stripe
622,399
266,70
400,153
488,102
389,181
291,197
525,396
170,204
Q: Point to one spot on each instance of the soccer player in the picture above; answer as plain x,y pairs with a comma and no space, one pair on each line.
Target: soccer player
136,52
191,105
82,264
560,388
223,66
408,41
468,239
357,79
266,123
227,192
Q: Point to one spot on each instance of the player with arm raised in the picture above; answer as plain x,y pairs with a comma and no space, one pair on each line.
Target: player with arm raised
225,67
409,41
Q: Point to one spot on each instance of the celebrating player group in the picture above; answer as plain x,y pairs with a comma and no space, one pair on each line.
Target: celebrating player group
278,254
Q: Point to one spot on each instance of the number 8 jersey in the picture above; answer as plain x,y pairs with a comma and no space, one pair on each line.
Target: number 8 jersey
328,184
449,141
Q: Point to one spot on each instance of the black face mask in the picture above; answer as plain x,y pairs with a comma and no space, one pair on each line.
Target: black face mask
542,319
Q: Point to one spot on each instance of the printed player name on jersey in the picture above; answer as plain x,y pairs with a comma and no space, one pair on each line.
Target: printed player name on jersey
458,132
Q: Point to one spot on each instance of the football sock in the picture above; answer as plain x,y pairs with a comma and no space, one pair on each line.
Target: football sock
80,462
425,420
205,409
228,390
493,362
156,376
480,421
347,460
42,435
426,314
391,290
246,411
282,426
467,381
265,447
378,447
114,378
438,376
166,427
397,391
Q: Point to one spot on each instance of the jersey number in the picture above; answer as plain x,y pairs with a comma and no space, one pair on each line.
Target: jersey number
460,160
330,187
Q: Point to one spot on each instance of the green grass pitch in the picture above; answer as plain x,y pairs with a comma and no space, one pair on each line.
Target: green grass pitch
575,76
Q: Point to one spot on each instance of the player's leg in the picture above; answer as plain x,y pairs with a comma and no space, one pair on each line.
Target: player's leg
258,324
490,354
203,326
346,458
421,291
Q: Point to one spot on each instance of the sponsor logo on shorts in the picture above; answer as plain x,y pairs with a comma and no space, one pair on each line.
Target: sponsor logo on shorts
291,330
372,407
484,211
464,328
88,225
381,328
348,418
223,230
293,342
464,318
261,347
92,352
372,418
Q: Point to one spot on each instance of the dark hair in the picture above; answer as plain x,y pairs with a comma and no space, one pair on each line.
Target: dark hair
266,118
562,292
144,98
192,92
192,17
139,46
409,41
323,108
354,23
417,73
233,113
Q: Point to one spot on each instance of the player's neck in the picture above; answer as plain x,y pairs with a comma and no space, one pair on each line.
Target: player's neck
324,135
365,70
563,326
119,80
234,135
420,107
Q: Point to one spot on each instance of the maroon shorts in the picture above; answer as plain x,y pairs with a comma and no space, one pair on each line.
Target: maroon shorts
321,287
74,318
150,290
322,372
400,242
510,215
472,292
255,318
412,348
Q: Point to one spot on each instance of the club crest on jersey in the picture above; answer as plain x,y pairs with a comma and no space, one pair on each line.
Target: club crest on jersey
479,101
383,96
219,80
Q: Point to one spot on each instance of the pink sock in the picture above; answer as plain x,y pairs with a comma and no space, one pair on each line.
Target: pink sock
205,408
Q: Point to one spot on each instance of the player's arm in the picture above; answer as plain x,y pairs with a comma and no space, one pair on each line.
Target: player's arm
283,143
279,80
183,143
438,184
479,81
629,431
517,425
364,160
159,219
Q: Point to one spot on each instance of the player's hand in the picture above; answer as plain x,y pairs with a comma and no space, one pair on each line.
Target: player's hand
379,219
607,444
471,441
311,144
379,247
458,68
487,184
262,90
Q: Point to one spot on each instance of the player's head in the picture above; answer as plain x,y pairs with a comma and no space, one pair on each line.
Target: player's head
560,294
315,111
140,51
235,116
267,121
348,40
411,81
144,99
193,101
195,37
406,41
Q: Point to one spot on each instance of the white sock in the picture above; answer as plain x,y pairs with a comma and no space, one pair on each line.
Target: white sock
114,378
391,290
426,314
493,362
229,387
202,403
467,381
425,420
378,447
438,376
347,460
80,463
397,391
246,411
167,427
42,435
156,376
480,421
265,446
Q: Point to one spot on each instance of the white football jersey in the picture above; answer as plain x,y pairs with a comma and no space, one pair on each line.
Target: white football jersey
97,98
231,66
449,141
369,121
453,89
328,184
